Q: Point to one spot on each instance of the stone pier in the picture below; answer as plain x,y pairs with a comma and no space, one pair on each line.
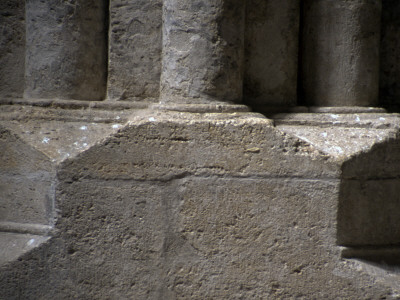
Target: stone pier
340,52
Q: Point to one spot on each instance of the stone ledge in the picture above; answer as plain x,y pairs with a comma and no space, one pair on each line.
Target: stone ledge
26,228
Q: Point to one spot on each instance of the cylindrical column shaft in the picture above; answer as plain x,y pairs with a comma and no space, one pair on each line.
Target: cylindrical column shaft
134,49
390,53
202,51
271,52
12,47
340,54
66,54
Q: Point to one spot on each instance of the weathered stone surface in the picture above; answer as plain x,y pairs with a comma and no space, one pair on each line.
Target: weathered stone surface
340,53
14,245
134,49
240,209
199,144
271,52
390,53
368,206
66,49
203,48
12,47
26,182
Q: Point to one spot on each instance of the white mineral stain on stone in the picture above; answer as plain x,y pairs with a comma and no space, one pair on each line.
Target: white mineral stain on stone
116,126
324,134
117,117
338,149
45,140
334,117
382,119
357,119
151,119
83,128
30,242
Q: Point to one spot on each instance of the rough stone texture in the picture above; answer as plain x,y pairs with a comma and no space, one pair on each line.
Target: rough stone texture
12,47
66,49
368,213
26,182
340,52
241,209
134,49
368,145
390,53
203,48
15,245
271,52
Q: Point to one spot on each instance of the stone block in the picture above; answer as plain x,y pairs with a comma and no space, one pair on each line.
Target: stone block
26,182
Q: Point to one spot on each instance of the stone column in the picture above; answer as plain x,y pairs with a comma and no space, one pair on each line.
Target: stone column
66,54
271,52
203,51
390,53
12,47
340,53
134,49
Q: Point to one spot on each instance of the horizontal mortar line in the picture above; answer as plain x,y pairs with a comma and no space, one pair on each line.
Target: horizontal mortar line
26,228
362,251
66,119
371,178
322,125
77,104
212,176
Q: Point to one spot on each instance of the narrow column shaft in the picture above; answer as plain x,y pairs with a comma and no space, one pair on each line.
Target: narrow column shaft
271,52
340,61
66,49
202,51
12,47
134,49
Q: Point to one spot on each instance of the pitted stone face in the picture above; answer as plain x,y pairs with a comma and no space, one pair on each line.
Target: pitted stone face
202,51
65,49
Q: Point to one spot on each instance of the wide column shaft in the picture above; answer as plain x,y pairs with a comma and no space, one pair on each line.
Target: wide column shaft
203,51
66,54
271,52
340,55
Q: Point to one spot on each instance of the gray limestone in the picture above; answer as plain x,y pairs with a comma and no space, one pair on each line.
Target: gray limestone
340,52
240,209
12,47
271,52
65,49
203,51
134,49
